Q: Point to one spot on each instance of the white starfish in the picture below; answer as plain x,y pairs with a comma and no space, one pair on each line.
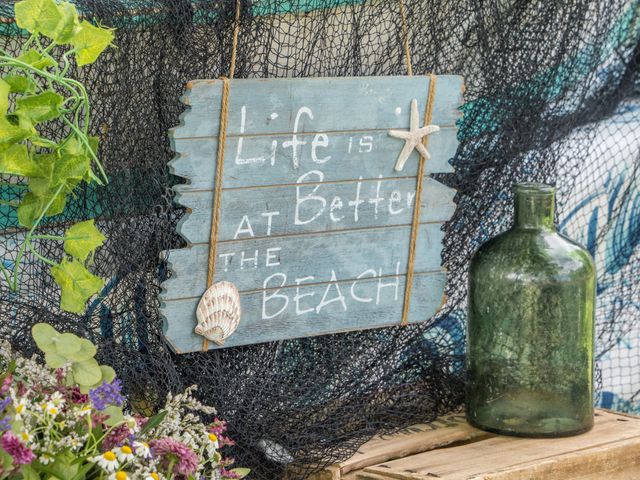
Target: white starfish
413,137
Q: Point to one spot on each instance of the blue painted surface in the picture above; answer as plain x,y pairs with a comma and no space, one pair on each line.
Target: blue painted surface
315,221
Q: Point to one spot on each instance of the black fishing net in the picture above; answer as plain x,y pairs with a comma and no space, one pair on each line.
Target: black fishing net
550,96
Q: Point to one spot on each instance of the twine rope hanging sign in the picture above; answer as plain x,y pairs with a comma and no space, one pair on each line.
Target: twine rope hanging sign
413,139
222,138
416,138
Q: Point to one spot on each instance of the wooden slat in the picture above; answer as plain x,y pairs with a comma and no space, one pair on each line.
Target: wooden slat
336,317
353,155
418,438
370,253
613,439
271,211
346,102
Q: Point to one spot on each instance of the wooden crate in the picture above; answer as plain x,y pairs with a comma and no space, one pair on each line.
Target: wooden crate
450,449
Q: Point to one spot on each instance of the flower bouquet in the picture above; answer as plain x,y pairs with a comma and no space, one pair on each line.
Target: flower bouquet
68,421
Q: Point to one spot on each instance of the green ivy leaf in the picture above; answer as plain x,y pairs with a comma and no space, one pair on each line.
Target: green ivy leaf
32,207
69,170
69,25
54,360
42,107
5,89
20,84
82,239
13,128
36,59
77,285
15,160
87,372
44,335
87,351
41,16
59,22
90,41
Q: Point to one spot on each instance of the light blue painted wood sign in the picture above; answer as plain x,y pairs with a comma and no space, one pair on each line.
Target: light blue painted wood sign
315,221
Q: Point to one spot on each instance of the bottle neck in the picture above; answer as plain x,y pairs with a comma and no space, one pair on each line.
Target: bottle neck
534,209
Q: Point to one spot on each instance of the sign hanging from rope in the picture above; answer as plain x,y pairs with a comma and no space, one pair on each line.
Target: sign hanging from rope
314,213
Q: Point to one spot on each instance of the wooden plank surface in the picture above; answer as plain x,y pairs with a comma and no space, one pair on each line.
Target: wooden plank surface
281,316
315,223
613,444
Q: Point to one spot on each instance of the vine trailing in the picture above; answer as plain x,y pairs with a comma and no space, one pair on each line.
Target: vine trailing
35,89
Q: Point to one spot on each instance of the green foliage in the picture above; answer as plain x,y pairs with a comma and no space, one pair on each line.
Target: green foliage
34,90
61,349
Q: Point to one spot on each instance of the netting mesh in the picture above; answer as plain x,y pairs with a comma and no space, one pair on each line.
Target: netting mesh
550,96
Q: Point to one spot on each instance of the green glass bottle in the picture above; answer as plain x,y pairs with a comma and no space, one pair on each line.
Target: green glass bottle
531,327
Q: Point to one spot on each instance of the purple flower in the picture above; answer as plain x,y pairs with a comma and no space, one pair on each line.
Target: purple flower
170,451
107,394
21,454
5,424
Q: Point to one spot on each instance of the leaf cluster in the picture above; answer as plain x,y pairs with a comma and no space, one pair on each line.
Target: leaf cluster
35,90
61,349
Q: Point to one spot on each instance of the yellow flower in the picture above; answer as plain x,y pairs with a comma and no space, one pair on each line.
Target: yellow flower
121,476
152,476
213,438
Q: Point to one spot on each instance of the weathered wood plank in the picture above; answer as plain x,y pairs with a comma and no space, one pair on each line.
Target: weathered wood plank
336,105
354,155
271,211
310,203
384,309
345,255
551,459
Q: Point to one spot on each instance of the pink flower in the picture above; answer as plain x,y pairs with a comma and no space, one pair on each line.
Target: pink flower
21,454
224,473
170,451
6,383
76,397
116,438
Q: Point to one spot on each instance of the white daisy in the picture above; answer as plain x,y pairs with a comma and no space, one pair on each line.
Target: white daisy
151,476
57,399
124,453
120,475
142,449
84,410
26,437
213,438
21,408
46,458
108,461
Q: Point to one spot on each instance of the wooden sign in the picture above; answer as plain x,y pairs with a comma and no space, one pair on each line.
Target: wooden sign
315,222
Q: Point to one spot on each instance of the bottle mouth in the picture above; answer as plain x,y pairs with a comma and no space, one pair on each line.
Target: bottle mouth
532,188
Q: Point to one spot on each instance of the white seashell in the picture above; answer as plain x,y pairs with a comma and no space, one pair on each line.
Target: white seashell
218,312
274,451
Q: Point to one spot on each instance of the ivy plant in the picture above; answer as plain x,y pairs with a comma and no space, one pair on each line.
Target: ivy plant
36,89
